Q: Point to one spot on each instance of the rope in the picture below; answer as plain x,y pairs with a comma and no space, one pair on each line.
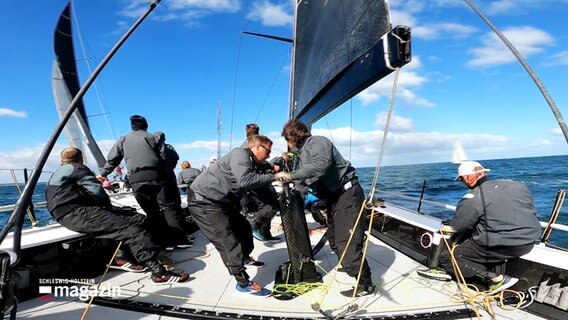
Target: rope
465,295
383,143
84,315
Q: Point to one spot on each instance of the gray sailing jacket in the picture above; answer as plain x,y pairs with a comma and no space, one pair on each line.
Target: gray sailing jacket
187,176
140,151
322,166
226,178
498,213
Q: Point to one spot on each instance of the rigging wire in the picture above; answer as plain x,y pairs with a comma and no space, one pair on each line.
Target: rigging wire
86,59
235,90
286,58
329,129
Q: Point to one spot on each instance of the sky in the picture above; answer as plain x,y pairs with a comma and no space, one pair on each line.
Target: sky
189,59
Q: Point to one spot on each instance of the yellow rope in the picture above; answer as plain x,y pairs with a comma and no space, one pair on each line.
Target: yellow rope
84,315
479,297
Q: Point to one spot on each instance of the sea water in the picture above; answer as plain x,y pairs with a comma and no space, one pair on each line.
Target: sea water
544,176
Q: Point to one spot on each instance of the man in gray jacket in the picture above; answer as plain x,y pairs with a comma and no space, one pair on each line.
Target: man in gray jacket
333,179
145,169
216,206
497,220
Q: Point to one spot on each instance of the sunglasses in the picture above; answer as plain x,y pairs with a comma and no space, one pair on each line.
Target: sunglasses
265,148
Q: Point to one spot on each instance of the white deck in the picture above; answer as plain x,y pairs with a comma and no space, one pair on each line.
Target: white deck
400,289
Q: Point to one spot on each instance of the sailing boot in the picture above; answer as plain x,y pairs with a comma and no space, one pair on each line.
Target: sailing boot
162,276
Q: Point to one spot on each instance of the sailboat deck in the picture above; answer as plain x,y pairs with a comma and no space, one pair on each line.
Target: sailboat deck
211,290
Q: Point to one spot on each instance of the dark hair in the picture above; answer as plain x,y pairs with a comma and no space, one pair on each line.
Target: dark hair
295,131
138,122
251,128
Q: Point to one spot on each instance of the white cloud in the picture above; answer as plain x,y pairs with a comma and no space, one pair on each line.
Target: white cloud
270,14
397,123
526,39
5,112
188,11
408,79
443,30
558,59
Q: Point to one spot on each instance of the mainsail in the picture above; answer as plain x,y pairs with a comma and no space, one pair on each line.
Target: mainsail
65,86
341,48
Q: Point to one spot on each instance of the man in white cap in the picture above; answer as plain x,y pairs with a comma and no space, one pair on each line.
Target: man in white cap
497,221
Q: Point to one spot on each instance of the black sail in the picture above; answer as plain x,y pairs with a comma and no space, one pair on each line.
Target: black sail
339,50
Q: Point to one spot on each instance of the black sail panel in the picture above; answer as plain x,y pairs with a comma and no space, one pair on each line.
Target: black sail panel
338,51
65,55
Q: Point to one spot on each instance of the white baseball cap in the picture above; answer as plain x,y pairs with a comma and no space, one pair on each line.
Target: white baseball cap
470,167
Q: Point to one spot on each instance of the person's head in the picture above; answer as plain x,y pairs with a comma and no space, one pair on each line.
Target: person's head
469,172
71,155
251,128
295,133
260,146
138,122
212,160
185,165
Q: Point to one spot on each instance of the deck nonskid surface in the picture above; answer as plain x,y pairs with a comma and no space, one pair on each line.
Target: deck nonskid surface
399,289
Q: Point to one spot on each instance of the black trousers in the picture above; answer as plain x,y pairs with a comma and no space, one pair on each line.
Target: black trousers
475,260
99,222
169,201
342,214
227,229
267,202
146,194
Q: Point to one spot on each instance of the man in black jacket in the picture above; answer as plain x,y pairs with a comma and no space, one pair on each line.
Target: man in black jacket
77,200
497,221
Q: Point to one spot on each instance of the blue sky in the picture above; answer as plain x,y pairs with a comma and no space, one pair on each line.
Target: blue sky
189,57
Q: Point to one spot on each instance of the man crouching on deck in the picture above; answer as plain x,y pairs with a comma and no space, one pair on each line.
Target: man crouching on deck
77,200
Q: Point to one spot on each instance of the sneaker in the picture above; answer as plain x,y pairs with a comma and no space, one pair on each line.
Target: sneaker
435,274
254,289
169,277
125,265
273,239
502,285
258,235
361,291
250,262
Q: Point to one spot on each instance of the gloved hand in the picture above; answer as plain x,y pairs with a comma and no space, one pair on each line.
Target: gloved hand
282,176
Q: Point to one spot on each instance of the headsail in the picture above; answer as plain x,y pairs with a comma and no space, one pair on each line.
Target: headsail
341,48
65,86
459,155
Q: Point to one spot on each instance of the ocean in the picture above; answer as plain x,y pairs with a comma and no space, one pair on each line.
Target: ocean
544,176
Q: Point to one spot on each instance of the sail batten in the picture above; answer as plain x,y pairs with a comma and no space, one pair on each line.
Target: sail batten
341,48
